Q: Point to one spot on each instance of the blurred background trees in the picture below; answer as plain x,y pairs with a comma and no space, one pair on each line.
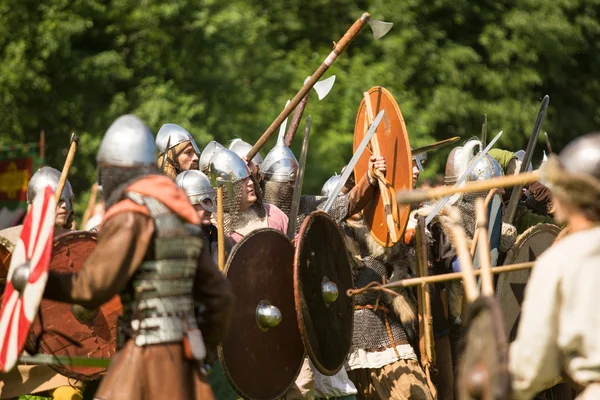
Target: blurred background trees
225,68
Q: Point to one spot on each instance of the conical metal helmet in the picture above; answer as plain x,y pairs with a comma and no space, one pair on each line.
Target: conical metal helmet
582,156
198,189
486,168
228,166
209,151
48,176
451,175
241,148
127,143
520,156
330,185
459,159
172,135
280,165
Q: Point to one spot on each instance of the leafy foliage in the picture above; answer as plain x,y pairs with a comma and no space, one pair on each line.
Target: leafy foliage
225,69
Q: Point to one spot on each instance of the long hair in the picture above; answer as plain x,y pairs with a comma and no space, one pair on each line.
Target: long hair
172,167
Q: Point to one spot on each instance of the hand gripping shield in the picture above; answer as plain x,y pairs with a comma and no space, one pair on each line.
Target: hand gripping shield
26,278
263,352
395,148
92,332
322,276
510,288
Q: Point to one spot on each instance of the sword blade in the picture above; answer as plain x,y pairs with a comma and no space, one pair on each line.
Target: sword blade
299,180
462,178
511,208
350,167
484,130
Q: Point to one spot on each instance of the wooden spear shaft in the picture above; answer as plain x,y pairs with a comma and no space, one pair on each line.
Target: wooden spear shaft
220,230
337,50
420,195
487,283
66,167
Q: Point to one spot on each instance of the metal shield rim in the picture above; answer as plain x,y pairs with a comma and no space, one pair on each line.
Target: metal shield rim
298,294
220,353
403,209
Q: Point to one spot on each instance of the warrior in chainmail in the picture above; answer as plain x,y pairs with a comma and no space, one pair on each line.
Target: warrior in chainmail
443,253
177,150
151,252
278,176
28,379
243,211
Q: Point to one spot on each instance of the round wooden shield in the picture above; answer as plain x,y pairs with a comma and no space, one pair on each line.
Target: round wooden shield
483,363
395,148
322,275
262,362
510,288
8,240
93,330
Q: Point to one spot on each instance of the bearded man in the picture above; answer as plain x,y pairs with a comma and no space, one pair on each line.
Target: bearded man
177,150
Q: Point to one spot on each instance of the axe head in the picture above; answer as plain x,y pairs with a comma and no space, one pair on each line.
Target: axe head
324,87
379,28
74,138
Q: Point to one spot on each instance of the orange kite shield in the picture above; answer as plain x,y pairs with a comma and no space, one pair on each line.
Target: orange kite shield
386,220
26,278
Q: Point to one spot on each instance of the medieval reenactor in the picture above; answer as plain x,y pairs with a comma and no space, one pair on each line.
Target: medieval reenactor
199,190
536,203
241,148
244,210
151,252
443,251
558,330
177,150
278,176
27,379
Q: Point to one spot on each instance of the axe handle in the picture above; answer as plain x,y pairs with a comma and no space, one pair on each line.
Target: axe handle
90,205
427,339
220,230
420,195
298,112
383,190
337,50
487,283
65,171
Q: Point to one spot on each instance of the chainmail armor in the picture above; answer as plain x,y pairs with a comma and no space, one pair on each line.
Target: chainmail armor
279,194
466,207
114,180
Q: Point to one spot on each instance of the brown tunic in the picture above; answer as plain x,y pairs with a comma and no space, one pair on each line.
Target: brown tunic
154,371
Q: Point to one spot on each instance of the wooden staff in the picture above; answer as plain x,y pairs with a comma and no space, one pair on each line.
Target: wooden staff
314,78
220,230
90,206
452,276
383,189
487,283
421,195
488,200
66,167
291,132
424,299
42,145
464,257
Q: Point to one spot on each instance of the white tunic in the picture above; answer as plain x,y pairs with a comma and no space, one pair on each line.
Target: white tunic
560,317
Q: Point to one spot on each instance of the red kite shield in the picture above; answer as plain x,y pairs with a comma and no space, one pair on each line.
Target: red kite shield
395,148
95,330
322,275
263,341
510,288
26,278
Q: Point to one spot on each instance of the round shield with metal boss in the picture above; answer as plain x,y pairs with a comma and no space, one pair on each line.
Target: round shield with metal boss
263,351
93,332
322,275
510,288
395,148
